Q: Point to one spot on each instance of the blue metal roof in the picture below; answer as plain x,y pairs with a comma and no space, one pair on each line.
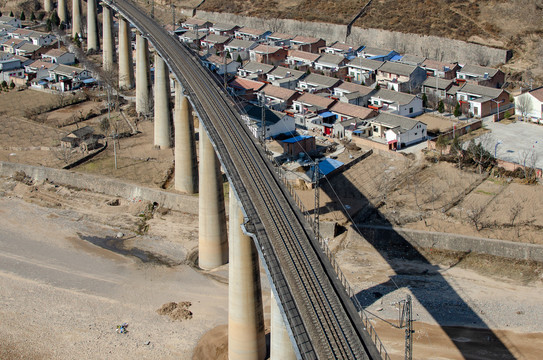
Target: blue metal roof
396,58
296,139
328,165
327,114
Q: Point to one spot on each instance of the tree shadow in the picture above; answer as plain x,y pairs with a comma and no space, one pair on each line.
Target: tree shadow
440,299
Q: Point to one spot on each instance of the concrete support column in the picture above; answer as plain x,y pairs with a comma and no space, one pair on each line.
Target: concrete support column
246,336
92,26
76,18
212,239
280,344
108,55
186,168
143,84
62,11
162,104
48,5
126,68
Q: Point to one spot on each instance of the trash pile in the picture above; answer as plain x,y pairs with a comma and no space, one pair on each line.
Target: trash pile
122,329
177,311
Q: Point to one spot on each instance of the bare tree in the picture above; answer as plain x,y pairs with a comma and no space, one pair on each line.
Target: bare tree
514,212
479,153
528,160
522,106
474,215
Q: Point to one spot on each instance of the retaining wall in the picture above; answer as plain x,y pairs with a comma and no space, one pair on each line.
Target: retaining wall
389,236
103,185
432,47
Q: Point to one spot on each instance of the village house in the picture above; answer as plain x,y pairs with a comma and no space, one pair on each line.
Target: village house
529,105
239,49
298,144
267,54
30,51
396,102
10,66
436,88
250,34
277,98
10,21
339,48
220,64
352,93
65,78
255,70
11,45
59,56
83,138
196,24
409,59
480,75
192,38
315,83
214,43
398,131
481,101
38,70
346,111
285,77
440,69
312,103
362,70
330,63
374,53
35,37
280,39
223,29
245,88
353,126
307,43
297,59
275,122
400,77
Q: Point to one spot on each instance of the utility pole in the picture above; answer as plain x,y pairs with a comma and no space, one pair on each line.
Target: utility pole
263,119
316,178
406,321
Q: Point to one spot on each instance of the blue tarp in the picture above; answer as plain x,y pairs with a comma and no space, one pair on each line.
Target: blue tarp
396,58
327,114
296,139
88,81
328,165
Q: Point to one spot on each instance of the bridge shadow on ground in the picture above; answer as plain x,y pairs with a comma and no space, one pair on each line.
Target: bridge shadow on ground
415,272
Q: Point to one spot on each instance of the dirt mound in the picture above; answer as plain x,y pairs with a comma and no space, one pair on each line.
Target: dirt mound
176,311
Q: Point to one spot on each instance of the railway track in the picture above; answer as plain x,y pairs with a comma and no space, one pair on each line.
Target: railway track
322,319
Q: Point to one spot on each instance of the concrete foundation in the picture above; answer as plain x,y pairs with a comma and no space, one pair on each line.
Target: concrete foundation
126,68
186,168
143,82
213,244
92,26
108,54
162,104
48,5
246,336
76,18
62,11
280,344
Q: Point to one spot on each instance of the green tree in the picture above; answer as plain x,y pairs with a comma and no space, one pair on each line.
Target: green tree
49,25
377,87
11,14
23,16
440,107
32,16
239,59
0,13
424,100
507,114
457,111
4,84
77,42
11,85
55,20
441,143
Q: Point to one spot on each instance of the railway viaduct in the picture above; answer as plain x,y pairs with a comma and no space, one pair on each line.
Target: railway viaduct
312,314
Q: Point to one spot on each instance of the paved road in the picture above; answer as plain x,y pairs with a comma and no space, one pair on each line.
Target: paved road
515,140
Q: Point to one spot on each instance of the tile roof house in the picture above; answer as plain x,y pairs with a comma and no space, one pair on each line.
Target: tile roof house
481,75
339,48
223,29
345,111
11,21
411,59
267,54
285,77
192,38
352,93
276,123
280,39
399,131
30,50
214,42
316,83
362,70
436,88
481,101
374,53
11,45
396,102
250,34
196,24
330,62
255,70
245,88
440,69
400,77
529,105
239,49
312,103
301,59
35,37
220,64
277,98
59,56
307,43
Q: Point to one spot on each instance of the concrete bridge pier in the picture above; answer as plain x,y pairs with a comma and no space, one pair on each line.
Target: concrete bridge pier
92,26
280,345
108,54
143,83
212,239
186,168
76,18
62,11
48,5
126,68
246,333
162,104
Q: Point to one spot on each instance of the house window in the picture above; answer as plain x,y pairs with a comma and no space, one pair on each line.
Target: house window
410,110
375,128
375,102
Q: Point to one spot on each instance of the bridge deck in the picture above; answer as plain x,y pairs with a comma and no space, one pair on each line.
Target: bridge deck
320,315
